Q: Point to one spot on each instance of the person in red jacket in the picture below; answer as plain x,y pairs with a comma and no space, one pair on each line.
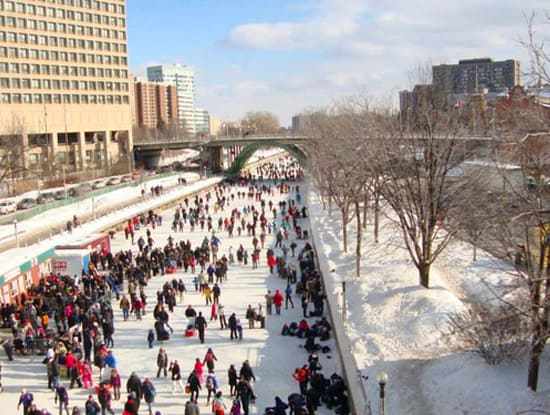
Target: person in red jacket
302,376
278,301
271,261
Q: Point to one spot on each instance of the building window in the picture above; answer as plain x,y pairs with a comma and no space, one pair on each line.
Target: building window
14,67
56,84
27,98
35,68
16,98
26,83
75,99
56,99
36,84
37,98
15,83
45,69
84,99
4,82
54,56
46,84
3,67
6,99
33,54
92,99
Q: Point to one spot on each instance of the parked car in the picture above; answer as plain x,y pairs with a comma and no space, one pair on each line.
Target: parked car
46,197
26,203
113,180
126,179
98,184
7,206
60,195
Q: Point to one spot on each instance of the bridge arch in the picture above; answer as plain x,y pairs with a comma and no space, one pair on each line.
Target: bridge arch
246,152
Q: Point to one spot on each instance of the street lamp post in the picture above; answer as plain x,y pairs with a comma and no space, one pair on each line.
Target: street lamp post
64,183
344,304
16,234
382,379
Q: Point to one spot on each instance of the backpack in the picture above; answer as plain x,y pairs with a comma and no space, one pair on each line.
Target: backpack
209,383
285,331
217,409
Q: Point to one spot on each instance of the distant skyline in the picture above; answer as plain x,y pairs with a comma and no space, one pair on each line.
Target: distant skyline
288,56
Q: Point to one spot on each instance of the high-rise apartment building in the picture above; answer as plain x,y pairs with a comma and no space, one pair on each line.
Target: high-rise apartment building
475,76
183,78
156,104
64,83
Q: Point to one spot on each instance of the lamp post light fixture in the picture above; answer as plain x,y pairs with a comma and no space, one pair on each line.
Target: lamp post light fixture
16,234
382,379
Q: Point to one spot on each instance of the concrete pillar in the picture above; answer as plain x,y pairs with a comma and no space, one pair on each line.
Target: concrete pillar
216,159
53,148
81,150
106,148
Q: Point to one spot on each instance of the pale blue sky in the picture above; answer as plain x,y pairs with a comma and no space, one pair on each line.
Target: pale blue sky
286,56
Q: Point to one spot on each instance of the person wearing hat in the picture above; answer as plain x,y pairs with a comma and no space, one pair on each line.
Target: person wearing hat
62,396
191,408
149,392
91,407
134,385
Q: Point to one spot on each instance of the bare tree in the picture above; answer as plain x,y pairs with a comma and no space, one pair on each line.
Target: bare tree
260,122
14,151
416,169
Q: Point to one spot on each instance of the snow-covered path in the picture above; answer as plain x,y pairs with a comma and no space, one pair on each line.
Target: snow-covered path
272,356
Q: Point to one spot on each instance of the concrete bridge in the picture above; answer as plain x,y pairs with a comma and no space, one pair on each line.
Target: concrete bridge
224,152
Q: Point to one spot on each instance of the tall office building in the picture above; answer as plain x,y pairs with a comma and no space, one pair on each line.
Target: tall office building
475,76
64,84
183,78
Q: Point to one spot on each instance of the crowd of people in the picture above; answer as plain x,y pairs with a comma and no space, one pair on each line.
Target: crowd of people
71,321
